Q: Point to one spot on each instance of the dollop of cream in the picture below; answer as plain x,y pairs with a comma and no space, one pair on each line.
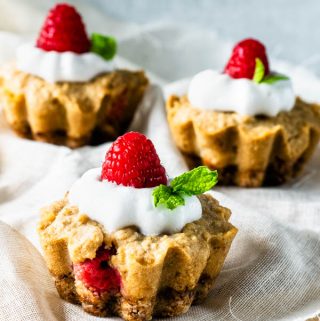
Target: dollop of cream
115,206
213,90
60,66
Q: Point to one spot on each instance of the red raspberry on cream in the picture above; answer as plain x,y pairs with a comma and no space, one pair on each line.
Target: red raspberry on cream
133,161
63,30
242,62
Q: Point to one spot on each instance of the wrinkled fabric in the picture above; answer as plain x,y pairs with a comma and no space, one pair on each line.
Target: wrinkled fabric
272,271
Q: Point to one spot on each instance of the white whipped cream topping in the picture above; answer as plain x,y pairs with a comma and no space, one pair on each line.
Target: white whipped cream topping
216,91
115,206
60,66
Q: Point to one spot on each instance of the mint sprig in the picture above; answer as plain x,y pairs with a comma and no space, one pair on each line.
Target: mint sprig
104,46
164,195
272,78
259,71
194,182
259,76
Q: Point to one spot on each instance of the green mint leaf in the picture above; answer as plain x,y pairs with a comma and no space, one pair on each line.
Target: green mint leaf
259,71
272,78
195,182
160,194
104,46
164,195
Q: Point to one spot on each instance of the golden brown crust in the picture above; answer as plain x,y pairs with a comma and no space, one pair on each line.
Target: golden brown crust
69,113
247,151
161,275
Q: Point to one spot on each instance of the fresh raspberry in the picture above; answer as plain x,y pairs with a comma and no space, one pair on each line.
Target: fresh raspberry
133,161
97,274
63,30
243,59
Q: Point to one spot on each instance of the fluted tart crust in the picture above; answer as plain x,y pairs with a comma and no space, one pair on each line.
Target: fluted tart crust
160,275
247,151
70,113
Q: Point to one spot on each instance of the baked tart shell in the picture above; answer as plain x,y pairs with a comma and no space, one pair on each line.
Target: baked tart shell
70,113
161,275
247,151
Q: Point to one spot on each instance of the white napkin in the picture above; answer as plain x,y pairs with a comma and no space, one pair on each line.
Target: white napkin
270,273
273,269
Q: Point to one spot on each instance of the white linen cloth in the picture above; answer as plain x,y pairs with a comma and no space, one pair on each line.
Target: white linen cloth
273,269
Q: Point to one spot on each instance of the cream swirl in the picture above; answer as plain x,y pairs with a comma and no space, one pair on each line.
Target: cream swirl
60,66
116,206
216,91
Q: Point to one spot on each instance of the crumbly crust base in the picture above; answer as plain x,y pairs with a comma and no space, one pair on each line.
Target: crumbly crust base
168,302
164,277
70,113
247,151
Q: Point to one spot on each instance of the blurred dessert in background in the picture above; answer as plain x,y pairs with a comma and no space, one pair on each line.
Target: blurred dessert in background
65,89
245,121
